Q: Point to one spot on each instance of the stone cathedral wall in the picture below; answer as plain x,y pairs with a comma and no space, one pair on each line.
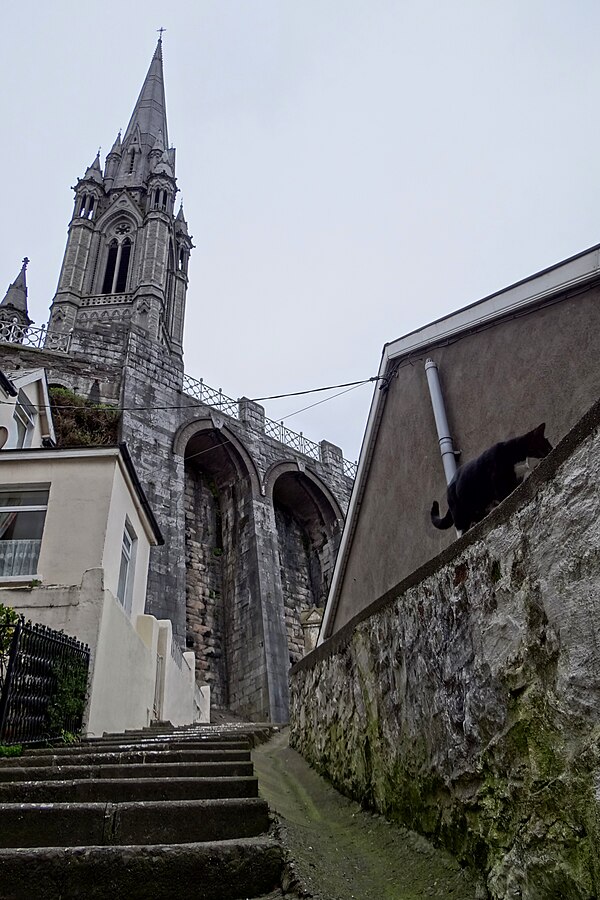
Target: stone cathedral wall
205,619
243,648
465,703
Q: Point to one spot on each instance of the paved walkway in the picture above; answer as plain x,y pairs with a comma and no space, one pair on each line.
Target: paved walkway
341,852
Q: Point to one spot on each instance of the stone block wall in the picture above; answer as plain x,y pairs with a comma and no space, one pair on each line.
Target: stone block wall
465,703
297,584
205,626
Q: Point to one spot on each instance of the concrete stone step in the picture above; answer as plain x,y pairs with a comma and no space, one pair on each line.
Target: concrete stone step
97,824
138,746
129,756
120,790
254,733
225,870
126,770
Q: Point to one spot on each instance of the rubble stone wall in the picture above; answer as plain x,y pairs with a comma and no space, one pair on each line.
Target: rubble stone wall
204,584
465,703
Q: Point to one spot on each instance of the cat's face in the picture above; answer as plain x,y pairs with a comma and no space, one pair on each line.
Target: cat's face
538,445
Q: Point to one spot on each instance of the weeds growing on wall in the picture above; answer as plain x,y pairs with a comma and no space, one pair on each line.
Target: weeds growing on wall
7,750
8,620
65,710
80,423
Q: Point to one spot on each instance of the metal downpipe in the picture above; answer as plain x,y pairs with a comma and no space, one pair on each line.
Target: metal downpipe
441,421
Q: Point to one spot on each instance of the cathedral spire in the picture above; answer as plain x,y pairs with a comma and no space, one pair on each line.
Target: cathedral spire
13,307
150,111
16,295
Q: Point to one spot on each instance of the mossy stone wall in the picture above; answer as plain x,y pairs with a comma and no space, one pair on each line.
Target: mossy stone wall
466,703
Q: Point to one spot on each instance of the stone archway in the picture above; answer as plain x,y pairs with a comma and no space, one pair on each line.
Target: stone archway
308,522
217,501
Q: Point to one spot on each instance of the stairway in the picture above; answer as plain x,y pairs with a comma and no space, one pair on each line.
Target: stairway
143,815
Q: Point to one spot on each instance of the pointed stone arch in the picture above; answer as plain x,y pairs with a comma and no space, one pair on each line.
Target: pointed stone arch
238,454
220,485
308,522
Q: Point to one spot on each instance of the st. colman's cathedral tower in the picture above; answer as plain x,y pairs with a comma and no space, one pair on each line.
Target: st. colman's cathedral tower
250,511
127,252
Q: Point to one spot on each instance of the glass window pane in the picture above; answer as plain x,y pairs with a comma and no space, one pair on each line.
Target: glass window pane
23,498
122,587
16,526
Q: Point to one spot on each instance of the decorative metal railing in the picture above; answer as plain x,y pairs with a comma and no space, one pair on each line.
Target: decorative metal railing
30,336
349,468
12,332
199,390
292,439
43,683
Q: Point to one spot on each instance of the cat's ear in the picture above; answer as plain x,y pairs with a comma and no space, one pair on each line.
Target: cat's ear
540,429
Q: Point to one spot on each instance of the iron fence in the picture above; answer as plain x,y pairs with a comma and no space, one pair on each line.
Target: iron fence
43,683
30,336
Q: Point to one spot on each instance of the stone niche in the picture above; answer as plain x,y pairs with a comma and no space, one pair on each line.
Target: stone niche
465,703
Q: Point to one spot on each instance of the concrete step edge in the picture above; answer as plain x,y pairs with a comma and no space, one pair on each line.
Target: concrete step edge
212,870
139,746
115,758
126,770
113,790
137,822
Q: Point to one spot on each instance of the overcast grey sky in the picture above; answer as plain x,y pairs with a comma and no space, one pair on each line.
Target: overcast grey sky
349,170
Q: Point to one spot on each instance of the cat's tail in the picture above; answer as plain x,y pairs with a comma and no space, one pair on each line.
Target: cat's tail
446,522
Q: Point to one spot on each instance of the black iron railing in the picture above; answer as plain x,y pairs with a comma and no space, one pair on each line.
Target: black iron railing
43,683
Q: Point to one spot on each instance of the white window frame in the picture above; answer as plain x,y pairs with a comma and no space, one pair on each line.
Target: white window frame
24,415
32,507
126,580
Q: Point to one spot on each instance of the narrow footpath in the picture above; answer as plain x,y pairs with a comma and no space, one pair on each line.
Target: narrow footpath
338,851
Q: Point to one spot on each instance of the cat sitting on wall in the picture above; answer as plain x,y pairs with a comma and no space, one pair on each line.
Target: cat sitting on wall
484,482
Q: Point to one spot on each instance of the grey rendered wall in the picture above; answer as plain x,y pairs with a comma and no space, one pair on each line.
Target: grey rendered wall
497,383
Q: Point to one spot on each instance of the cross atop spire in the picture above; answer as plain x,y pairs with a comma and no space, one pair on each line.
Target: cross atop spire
150,111
160,32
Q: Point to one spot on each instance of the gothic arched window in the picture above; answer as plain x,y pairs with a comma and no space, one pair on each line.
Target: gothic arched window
117,263
123,269
111,262
86,207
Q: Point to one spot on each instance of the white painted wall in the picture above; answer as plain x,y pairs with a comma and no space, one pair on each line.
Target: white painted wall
178,698
122,508
90,498
124,655
122,686
33,385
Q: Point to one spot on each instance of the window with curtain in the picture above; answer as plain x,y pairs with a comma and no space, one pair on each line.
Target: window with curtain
22,515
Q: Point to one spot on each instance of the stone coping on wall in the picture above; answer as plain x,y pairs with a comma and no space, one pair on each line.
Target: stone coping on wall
522,495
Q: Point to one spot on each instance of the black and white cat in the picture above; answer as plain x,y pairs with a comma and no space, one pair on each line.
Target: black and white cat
484,482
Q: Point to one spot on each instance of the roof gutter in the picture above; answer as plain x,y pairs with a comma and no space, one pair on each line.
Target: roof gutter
126,456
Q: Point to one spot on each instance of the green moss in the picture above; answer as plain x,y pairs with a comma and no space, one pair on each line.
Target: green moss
8,618
495,572
8,750
68,702
80,423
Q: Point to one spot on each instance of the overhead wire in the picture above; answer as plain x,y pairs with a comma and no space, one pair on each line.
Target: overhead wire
105,407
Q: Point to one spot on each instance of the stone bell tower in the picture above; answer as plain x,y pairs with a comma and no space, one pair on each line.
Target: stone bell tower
126,260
